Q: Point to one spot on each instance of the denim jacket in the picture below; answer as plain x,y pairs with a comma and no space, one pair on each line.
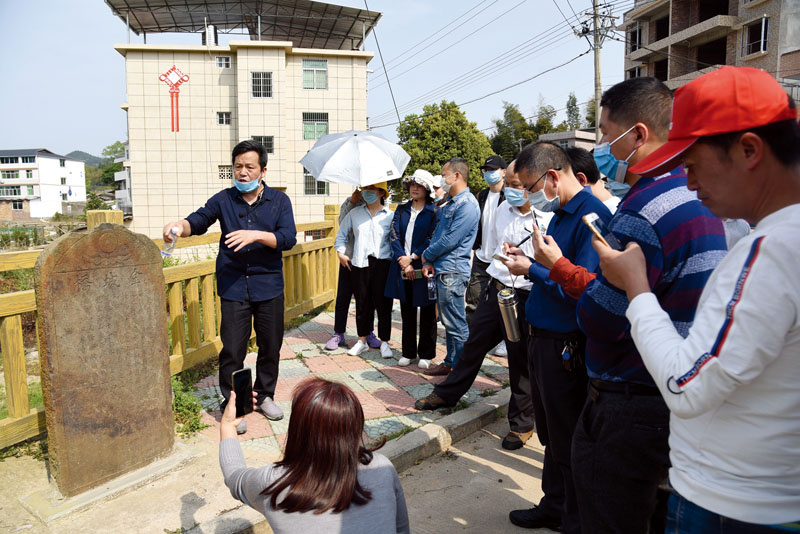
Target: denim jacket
451,244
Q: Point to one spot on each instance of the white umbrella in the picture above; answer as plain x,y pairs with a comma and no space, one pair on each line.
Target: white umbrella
355,158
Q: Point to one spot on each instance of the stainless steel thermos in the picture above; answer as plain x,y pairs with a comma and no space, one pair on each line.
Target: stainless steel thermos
507,300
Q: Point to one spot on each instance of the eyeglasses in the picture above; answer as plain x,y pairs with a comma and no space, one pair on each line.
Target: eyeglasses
530,189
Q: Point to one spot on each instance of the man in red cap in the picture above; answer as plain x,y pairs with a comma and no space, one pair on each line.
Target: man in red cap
732,384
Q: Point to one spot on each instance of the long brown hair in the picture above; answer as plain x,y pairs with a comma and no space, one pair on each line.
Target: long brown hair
323,450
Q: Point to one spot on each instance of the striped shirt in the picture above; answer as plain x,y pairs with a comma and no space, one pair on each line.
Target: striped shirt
682,242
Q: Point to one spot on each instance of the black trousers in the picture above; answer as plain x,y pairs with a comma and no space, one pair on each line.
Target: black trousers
369,284
344,293
266,317
562,394
427,327
478,280
620,455
486,331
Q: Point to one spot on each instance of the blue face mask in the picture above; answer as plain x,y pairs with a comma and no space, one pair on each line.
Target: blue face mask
617,189
608,164
246,187
369,195
515,197
492,177
438,199
540,201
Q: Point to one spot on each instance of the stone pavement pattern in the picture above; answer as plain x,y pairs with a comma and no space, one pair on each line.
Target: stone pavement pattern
387,391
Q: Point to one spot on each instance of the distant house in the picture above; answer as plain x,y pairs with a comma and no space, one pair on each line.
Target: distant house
36,183
583,138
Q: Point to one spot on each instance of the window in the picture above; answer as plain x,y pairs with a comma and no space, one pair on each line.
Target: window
28,159
30,190
311,186
64,197
261,84
754,36
16,205
313,235
10,191
62,163
63,181
29,174
635,72
226,172
223,117
224,62
9,175
661,70
315,74
9,160
315,125
662,29
634,38
267,141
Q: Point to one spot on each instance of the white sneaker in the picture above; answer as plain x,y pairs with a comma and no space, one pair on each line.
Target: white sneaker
386,352
424,364
358,348
500,350
404,362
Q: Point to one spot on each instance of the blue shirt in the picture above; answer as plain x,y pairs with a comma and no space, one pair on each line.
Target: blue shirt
370,234
451,244
256,271
548,307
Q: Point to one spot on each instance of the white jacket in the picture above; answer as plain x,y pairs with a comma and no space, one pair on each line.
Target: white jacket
733,385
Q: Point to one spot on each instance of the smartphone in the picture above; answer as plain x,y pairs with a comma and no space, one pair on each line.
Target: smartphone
243,387
500,256
417,274
599,228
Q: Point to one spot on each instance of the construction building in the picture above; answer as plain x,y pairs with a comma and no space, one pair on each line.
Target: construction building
678,40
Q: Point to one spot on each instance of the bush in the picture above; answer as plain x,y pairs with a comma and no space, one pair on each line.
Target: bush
187,409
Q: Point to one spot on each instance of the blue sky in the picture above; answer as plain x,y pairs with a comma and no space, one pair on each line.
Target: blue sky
63,81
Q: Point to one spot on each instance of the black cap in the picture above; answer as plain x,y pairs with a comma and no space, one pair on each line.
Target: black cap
494,162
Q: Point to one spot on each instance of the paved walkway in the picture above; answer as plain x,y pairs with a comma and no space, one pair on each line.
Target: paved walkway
387,392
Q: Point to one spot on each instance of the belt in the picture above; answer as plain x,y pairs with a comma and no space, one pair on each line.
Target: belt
551,334
626,388
523,293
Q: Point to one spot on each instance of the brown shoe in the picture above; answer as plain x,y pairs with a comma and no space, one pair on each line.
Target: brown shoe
516,440
438,370
431,402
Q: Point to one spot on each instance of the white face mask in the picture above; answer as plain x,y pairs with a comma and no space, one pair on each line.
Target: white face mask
445,186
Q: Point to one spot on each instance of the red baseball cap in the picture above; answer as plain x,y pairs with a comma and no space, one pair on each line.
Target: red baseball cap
729,99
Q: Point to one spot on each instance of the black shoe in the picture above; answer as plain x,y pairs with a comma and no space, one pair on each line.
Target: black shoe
431,402
516,440
534,518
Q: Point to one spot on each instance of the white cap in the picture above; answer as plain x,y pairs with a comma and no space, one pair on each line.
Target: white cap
423,178
437,180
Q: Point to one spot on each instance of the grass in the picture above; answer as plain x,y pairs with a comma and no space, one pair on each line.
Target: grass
488,392
34,447
185,406
35,398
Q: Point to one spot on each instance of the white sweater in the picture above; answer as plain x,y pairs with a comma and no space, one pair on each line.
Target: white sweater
733,385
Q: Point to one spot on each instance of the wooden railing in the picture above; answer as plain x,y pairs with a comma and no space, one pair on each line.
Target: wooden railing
310,270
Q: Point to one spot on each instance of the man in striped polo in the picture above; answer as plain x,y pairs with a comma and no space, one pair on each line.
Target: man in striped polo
619,447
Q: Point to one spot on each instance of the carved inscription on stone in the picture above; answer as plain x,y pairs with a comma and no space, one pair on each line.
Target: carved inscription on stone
105,355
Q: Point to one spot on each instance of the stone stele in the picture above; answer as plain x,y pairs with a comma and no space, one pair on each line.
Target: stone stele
104,355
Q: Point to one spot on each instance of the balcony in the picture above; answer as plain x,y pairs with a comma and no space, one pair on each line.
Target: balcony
645,10
704,32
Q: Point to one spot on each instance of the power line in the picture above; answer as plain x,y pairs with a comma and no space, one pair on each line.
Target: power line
384,66
494,92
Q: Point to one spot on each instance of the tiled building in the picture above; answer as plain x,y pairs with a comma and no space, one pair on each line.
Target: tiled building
189,105
37,183
679,40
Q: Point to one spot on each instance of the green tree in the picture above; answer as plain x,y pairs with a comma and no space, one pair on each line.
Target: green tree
94,202
545,114
589,115
573,112
441,132
113,150
512,131
107,173
93,175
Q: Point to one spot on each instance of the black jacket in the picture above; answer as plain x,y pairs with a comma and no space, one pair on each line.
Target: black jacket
481,201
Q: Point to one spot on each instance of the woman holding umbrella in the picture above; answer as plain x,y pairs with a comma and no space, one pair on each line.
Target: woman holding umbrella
371,225
412,228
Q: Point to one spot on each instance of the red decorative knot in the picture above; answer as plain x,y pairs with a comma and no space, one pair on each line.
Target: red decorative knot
174,78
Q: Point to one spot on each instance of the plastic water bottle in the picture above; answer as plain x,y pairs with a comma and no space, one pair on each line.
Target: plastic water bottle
168,247
433,293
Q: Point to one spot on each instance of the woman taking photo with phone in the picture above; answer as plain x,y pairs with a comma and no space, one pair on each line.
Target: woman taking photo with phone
412,228
369,265
327,481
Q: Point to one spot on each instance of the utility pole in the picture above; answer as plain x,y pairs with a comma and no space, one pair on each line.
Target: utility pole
597,80
602,23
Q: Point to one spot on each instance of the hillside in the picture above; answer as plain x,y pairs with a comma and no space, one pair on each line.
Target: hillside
88,159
